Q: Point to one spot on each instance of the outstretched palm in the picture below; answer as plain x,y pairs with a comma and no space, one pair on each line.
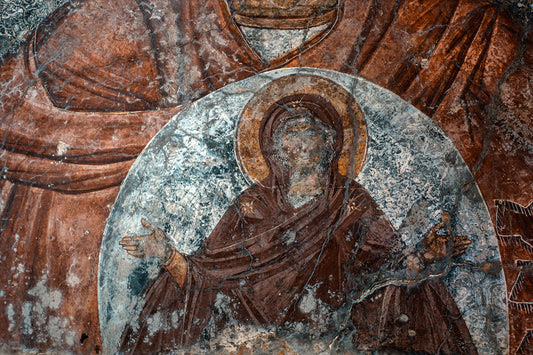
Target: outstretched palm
437,245
153,245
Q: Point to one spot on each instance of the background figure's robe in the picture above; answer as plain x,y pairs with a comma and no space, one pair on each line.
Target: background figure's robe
266,262
464,63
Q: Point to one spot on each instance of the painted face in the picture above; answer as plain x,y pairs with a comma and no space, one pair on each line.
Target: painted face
303,144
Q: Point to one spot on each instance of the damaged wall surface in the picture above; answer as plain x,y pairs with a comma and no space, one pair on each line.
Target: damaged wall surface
246,176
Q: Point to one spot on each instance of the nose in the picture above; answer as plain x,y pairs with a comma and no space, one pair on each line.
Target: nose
302,144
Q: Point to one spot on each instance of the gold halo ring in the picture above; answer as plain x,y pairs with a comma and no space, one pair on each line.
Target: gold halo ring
247,147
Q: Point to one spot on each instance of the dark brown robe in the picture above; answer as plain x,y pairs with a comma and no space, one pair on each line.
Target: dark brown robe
67,144
264,256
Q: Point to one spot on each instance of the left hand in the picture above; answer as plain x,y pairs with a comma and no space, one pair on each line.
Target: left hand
437,246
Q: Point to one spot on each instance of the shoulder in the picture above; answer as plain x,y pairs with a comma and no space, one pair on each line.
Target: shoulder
359,197
359,207
247,209
254,202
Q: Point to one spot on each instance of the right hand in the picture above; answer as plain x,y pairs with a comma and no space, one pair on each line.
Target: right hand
153,245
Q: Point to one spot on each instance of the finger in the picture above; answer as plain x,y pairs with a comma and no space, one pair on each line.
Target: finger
437,227
462,244
140,238
442,238
147,225
136,254
130,247
134,239
160,236
461,237
128,240
464,240
458,253
460,247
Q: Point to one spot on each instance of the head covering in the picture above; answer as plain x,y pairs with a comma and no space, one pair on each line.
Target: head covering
293,107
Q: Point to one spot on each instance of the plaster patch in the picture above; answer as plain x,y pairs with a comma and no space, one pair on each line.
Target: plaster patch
10,315
307,303
26,316
49,298
62,148
58,330
72,279
155,323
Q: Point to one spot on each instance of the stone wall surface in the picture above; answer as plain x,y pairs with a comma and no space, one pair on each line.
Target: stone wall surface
248,176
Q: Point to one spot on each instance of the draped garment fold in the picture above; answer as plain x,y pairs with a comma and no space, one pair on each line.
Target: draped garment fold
60,174
264,260
102,64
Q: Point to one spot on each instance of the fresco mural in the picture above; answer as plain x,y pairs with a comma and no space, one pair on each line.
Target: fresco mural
244,236
420,109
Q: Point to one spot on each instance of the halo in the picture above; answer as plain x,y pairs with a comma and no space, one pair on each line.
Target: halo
247,147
